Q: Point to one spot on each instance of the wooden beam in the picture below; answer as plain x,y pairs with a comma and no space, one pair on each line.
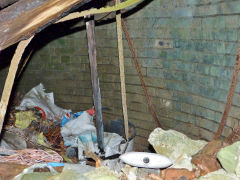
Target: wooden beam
10,79
90,25
5,3
122,72
26,17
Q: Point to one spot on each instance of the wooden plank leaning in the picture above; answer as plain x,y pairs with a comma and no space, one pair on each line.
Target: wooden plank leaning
10,78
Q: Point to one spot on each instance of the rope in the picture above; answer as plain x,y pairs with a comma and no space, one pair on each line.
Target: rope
10,78
122,73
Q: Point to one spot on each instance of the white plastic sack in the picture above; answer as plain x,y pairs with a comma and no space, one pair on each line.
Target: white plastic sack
112,144
75,127
37,97
80,132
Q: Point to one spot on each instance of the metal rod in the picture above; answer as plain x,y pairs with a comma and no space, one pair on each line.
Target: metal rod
229,97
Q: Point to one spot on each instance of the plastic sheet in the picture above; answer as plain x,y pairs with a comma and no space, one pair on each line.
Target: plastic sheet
72,129
13,139
24,119
114,164
37,97
114,144
78,130
31,170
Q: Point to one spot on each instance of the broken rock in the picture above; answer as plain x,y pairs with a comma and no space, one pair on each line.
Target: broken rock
175,146
101,173
229,158
179,174
219,175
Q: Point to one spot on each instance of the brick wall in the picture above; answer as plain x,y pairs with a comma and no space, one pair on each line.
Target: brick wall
188,81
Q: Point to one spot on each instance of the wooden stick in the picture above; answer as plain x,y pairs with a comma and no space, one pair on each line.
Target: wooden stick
230,96
122,72
92,155
95,81
10,78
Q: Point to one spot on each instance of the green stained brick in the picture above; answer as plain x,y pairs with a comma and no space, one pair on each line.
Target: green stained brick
231,35
163,54
45,58
208,34
173,54
153,72
202,68
55,59
230,7
174,86
198,46
232,21
60,42
231,48
65,51
65,60
152,63
220,47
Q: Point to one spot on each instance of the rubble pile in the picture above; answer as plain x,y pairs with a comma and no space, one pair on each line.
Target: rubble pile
43,141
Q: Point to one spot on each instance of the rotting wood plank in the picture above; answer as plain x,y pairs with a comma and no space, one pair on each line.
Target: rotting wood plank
26,17
122,73
5,3
92,51
10,79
